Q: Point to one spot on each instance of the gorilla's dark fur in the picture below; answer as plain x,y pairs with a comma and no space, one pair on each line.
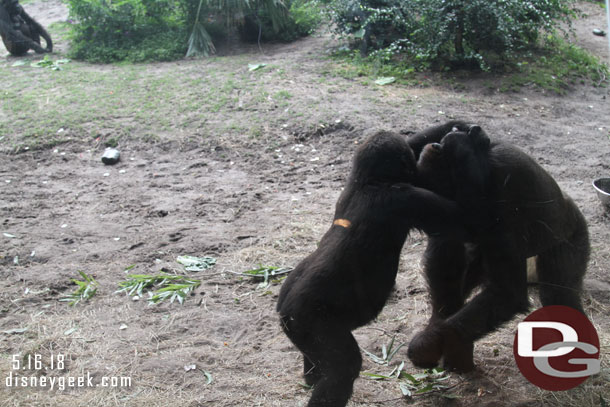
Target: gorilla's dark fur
526,215
345,283
19,31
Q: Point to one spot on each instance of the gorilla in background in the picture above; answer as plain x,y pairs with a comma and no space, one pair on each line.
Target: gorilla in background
19,31
345,283
524,213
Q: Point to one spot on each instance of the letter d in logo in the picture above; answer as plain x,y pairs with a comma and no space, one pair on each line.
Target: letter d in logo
526,338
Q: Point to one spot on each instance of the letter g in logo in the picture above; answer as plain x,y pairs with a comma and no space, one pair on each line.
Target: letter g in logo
553,345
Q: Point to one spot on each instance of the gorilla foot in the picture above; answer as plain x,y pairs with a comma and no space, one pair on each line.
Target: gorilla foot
426,348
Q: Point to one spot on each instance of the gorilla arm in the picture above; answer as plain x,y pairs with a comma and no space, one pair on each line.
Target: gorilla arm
428,211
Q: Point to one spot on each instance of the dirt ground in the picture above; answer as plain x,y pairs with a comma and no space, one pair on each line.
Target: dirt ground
250,202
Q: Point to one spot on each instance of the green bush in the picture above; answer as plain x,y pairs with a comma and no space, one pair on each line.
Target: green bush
162,30
133,30
447,33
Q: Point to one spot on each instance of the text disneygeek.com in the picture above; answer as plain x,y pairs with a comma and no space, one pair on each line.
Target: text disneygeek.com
17,377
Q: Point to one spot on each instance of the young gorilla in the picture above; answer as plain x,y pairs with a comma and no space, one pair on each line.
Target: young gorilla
526,214
345,283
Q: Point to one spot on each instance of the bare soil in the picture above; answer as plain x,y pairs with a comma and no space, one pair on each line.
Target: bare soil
259,201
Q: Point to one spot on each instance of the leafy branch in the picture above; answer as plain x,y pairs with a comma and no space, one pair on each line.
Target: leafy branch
167,286
86,289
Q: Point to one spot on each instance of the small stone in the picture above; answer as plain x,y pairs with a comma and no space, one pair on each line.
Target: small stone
111,156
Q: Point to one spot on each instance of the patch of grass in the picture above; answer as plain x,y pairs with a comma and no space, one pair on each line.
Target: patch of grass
556,67
352,65
282,95
86,289
124,100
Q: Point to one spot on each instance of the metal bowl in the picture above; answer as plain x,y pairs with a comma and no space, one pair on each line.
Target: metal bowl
602,187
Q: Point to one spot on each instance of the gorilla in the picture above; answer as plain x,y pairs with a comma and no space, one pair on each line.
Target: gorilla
346,281
19,31
523,213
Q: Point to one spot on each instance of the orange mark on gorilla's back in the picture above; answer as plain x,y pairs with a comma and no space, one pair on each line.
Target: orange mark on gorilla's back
342,222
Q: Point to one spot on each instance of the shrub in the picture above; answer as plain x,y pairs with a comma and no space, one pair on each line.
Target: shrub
134,30
161,30
447,33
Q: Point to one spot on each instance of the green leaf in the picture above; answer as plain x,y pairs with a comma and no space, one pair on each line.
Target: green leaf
375,376
255,67
385,80
399,369
70,331
15,331
192,263
409,377
86,289
425,389
405,389
208,377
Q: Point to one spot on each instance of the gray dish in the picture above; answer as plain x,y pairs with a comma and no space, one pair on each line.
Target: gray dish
602,187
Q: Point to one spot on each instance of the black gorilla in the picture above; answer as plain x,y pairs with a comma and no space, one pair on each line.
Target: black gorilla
526,214
345,283
19,31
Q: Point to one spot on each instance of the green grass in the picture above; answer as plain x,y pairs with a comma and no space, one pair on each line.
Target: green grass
555,67
352,65
127,100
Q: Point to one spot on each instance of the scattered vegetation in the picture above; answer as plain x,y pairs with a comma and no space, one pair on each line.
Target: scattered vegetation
428,381
86,289
387,353
555,67
409,384
167,286
192,263
268,275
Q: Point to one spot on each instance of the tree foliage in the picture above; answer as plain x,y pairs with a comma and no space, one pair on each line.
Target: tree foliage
446,33
141,30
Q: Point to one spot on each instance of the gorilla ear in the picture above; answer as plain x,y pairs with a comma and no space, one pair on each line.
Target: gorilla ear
478,136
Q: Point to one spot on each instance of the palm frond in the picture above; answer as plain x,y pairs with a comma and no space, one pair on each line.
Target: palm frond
200,42
277,11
